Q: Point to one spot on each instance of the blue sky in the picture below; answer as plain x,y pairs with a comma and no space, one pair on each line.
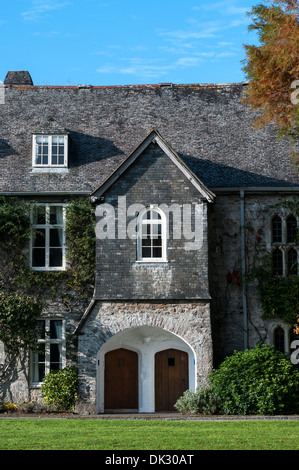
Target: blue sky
121,42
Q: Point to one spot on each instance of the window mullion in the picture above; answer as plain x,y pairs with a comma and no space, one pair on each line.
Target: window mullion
50,150
47,235
47,347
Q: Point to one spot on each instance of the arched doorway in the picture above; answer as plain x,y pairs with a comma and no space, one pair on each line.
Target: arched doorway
142,342
171,378
121,380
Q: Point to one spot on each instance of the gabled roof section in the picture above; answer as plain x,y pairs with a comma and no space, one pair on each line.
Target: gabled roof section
154,137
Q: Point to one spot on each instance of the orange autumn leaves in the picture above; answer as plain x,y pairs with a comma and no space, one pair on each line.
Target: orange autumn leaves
272,68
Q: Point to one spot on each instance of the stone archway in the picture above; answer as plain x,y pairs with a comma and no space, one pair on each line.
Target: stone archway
145,341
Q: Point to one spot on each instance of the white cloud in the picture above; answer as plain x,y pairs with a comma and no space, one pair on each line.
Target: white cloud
188,61
39,8
225,7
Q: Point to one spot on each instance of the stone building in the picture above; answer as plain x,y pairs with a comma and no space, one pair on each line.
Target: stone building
184,189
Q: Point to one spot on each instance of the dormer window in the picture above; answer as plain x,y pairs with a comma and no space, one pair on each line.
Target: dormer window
50,151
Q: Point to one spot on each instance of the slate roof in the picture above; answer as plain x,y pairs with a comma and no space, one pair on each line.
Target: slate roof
206,125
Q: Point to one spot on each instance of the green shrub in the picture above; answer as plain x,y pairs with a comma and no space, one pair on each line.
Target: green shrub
201,401
59,389
257,381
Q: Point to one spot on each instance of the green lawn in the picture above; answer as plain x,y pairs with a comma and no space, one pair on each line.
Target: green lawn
80,434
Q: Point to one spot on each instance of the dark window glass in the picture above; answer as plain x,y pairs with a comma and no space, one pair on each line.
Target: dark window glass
279,339
291,229
55,257
276,229
55,356
38,257
39,239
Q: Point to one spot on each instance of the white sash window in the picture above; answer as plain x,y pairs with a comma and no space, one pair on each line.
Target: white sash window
48,237
151,235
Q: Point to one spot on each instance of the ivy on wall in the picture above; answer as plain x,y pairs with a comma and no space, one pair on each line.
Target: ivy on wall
15,274
80,237
279,295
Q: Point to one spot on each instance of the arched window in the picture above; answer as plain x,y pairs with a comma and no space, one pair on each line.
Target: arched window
151,235
276,229
291,229
279,339
277,262
292,262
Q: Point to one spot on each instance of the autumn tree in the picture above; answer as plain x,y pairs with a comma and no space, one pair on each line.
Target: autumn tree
272,67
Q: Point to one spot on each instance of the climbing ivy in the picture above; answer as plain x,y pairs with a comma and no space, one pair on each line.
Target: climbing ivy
16,275
279,295
80,236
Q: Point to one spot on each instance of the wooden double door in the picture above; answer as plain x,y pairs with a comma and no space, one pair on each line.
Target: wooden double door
121,379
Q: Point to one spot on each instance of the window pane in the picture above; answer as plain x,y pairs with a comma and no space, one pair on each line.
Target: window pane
157,242
41,150
40,327
157,252
156,230
45,152
57,150
291,229
38,364
276,229
56,237
56,215
146,231
39,238
55,257
56,329
277,262
39,215
55,357
156,215
38,257
279,339
146,252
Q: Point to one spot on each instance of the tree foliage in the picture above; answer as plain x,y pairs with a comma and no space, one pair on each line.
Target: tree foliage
18,315
272,68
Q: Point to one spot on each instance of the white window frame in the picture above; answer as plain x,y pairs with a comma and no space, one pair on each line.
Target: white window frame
284,246
141,222
47,226
49,164
47,342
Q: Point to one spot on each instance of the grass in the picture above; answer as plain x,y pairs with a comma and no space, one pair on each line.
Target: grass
80,434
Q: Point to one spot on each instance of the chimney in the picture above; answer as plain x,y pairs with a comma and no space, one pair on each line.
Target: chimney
18,78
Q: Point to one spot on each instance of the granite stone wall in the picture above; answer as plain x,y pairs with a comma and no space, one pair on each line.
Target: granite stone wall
189,321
